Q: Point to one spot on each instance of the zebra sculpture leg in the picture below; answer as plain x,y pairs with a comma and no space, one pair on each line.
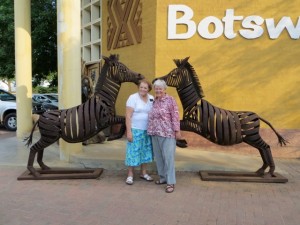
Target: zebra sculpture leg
250,123
118,120
265,152
50,133
266,155
38,148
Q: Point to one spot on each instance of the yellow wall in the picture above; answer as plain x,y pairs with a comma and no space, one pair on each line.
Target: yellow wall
260,75
138,57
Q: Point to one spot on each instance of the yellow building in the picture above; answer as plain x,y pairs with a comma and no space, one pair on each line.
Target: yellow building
246,53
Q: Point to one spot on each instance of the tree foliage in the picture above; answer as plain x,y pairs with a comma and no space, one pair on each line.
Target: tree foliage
44,39
7,48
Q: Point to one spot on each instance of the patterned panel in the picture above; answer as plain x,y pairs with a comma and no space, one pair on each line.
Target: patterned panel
124,23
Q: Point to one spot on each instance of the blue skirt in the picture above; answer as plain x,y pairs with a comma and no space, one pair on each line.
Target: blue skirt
140,150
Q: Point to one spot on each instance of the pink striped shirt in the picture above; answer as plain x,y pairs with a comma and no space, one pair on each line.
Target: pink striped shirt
163,118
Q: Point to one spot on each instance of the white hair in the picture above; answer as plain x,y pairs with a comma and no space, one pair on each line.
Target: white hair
160,83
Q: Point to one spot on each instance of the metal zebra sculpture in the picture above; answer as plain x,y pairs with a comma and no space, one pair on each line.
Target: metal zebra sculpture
220,126
82,122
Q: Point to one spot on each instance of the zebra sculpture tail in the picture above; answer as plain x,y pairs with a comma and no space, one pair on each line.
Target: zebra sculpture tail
29,138
281,140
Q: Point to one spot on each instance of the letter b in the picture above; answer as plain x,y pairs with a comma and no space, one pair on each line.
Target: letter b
185,20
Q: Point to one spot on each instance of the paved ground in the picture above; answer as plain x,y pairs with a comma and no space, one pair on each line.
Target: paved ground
109,201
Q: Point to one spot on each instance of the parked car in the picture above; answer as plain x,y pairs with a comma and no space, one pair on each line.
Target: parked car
37,107
8,110
52,95
49,100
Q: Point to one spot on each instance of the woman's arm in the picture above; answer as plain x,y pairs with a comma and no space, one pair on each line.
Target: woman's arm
129,112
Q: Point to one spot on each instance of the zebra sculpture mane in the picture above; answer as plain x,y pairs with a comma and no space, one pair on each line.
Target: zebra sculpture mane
183,63
82,122
220,126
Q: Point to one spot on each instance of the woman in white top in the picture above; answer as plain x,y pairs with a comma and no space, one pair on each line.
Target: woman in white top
139,147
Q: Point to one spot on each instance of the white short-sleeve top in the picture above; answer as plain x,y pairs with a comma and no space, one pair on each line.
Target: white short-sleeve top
139,119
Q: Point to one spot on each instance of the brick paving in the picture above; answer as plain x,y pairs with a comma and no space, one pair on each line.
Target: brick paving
109,201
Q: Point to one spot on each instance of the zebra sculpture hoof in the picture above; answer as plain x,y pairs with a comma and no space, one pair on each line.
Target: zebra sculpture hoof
268,175
33,171
260,172
44,167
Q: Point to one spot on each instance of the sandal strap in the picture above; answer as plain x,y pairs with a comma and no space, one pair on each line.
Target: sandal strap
147,177
129,180
170,188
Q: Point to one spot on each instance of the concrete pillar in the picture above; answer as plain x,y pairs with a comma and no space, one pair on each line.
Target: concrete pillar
69,63
23,66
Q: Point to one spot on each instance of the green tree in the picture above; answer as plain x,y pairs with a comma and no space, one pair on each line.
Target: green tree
7,47
44,39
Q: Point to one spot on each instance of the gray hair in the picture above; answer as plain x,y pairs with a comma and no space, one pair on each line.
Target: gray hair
160,83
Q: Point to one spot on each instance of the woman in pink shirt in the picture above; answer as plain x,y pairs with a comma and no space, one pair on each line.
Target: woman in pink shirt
164,129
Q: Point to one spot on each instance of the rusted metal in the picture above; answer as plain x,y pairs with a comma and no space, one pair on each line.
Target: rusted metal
62,173
82,122
220,126
235,176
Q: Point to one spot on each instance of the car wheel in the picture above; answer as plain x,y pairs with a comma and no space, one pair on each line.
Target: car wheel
10,122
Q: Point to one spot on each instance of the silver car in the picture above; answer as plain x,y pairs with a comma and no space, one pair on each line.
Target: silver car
49,101
8,110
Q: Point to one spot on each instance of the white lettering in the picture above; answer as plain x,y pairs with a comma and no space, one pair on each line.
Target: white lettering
185,20
254,29
252,25
203,28
229,19
285,22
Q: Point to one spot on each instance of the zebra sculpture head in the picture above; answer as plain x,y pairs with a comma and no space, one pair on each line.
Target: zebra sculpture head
183,76
114,73
120,73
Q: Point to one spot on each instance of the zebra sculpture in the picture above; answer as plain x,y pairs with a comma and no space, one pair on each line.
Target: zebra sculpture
82,122
220,126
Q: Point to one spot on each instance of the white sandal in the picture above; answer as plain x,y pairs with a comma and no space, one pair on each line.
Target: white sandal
146,177
129,180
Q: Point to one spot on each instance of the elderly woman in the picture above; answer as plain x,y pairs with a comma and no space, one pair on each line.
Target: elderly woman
164,129
139,147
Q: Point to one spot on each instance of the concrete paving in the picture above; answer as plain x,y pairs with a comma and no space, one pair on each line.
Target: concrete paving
109,201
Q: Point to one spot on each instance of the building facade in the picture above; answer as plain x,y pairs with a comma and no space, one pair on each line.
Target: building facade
245,53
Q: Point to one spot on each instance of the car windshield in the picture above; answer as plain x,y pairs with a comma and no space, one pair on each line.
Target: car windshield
5,96
51,97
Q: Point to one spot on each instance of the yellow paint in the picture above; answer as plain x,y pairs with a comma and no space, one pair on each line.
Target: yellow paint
260,75
69,63
23,66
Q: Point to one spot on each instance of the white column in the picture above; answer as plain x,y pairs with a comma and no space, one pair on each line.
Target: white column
23,66
69,63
